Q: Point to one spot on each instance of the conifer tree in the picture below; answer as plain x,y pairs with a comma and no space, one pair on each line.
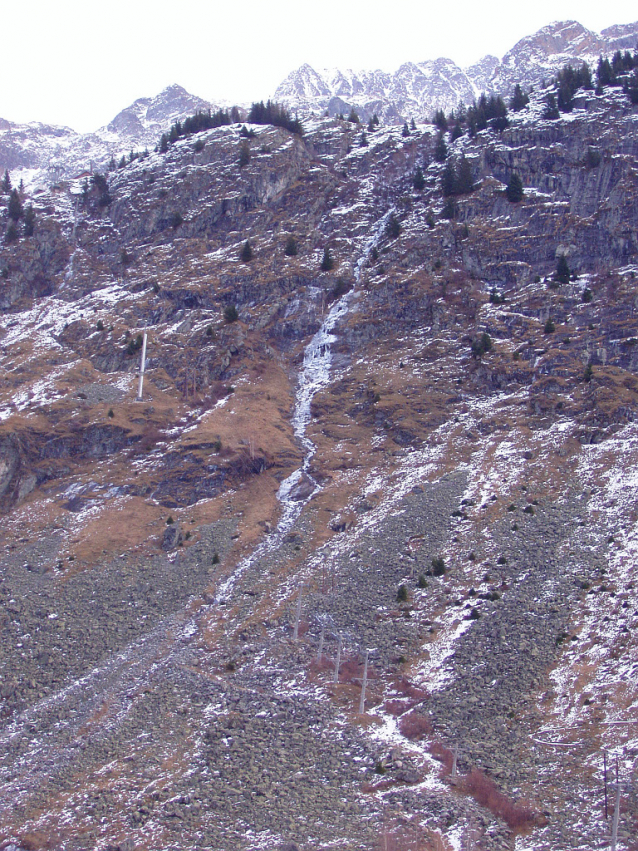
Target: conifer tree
519,99
353,118
291,247
406,130
15,206
412,125
562,272
29,220
514,190
448,179
247,252
327,263
464,183
440,149
6,182
419,180
393,228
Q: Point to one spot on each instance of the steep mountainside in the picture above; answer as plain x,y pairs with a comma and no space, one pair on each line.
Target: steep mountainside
375,428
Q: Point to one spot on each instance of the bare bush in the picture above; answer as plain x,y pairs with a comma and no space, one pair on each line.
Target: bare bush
486,793
414,726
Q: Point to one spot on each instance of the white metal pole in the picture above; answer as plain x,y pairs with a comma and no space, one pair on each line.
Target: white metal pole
142,368
364,682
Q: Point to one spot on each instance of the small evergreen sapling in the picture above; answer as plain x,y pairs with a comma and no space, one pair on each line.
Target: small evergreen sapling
327,263
514,190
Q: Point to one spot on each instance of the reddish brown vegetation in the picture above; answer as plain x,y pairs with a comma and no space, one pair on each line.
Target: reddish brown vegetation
486,793
398,707
414,726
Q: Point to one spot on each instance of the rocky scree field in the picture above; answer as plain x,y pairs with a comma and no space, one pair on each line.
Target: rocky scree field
184,625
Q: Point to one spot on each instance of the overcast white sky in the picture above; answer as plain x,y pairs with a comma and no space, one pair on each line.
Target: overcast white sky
79,62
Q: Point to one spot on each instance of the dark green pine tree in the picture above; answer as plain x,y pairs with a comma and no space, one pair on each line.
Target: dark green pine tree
406,130
562,272
440,149
291,247
419,180
15,206
353,118
247,252
448,179
412,125
6,182
519,99
393,228
464,183
514,190
327,263
29,220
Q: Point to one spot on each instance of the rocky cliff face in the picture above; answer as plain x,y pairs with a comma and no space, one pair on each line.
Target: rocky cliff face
391,430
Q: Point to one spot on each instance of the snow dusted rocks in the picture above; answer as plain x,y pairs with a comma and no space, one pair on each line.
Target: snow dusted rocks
465,513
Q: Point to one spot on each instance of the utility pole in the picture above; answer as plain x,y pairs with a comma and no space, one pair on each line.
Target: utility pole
614,824
142,369
364,683
295,634
337,662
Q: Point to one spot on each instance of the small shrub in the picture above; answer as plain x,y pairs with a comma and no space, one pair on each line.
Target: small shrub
246,254
291,247
170,521
592,158
340,289
549,327
100,325
379,768
475,615
230,314
438,566
392,228
402,594
481,345
110,414
501,560
529,509
422,583
589,372
215,559
176,220
414,726
199,145
587,295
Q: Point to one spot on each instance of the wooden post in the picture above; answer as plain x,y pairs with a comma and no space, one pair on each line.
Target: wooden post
337,662
364,682
456,756
321,640
142,369
295,634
